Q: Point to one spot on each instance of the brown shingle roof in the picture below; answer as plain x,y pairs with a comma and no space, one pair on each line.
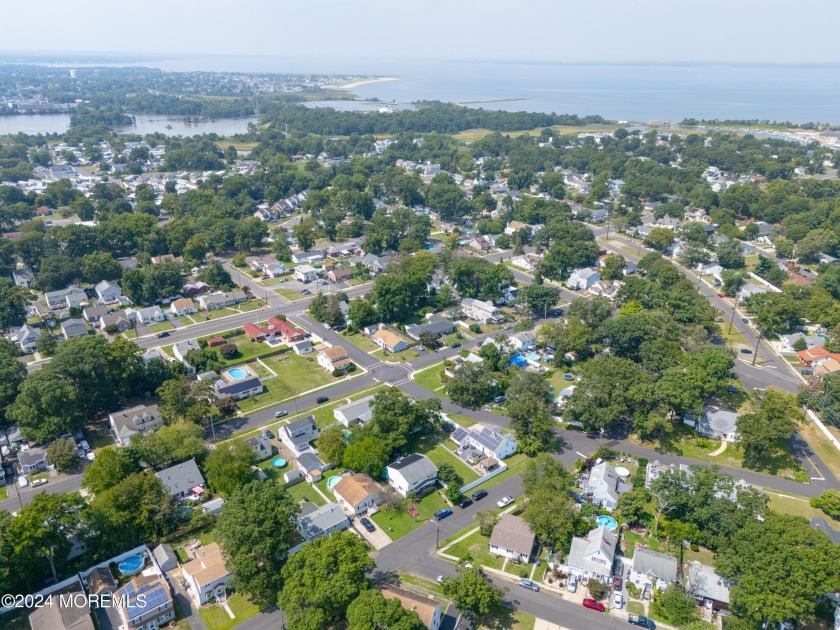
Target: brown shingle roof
336,352
208,565
424,606
512,532
355,488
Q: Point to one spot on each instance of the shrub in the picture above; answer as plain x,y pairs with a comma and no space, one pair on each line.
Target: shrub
605,452
228,350
453,493
597,589
338,373
351,367
111,329
633,590
475,328
828,502
695,547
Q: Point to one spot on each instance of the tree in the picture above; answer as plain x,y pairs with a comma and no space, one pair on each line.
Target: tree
597,588
752,556
255,532
529,404
770,271
362,313
45,527
537,298
229,466
487,521
471,387
323,579
773,417
280,246
99,266
228,350
660,239
216,276
45,407
632,506
613,268
729,255
46,344
170,445
372,611
828,502
369,455
472,591
732,282
12,374
62,454
331,444
305,233
590,311
679,606
204,359
110,467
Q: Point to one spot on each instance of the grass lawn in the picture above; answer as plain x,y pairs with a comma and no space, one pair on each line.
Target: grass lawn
305,489
821,446
430,378
456,337
290,294
205,535
362,342
247,349
798,506
471,135
4,493
557,382
250,305
214,314
398,522
461,420
324,413
304,372
478,547
161,327
426,585
217,618
637,608
514,465
508,619
629,540
732,338
439,454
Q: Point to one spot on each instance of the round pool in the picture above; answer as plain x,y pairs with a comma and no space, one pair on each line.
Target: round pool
332,481
131,565
622,472
278,462
607,521
237,374
568,377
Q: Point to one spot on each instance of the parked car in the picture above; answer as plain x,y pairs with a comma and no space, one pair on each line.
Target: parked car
641,620
413,511
504,501
83,444
327,326
744,320
732,389
499,399
720,295
267,433
530,585
746,351
281,413
321,399
442,514
478,495
588,602
305,292
465,503
251,296
39,482
572,584
162,335
439,579
90,456
616,582
367,524
617,599
456,345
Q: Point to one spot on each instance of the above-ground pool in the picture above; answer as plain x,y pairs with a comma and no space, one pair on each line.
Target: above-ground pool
237,374
278,462
608,521
131,565
518,360
332,481
622,472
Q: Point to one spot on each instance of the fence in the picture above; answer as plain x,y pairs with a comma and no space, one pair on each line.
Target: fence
502,468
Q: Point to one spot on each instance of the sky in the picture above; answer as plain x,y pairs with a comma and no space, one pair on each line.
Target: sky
344,32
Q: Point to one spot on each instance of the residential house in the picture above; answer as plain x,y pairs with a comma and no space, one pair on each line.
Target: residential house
334,358
93,314
582,279
311,466
182,348
669,223
71,297
603,486
324,521
192,289
710,589
812,357
238,390
604,288
828,367
512,538
108,292
339,275
564,395
360,411
593,555
26,338
412,474
303,347
528,262
23,277
136,420
429,610
148,315
356,493
182,479
207,575
156,260
696,214
750,289
260,445
436,326
297,435
306,273
481,311
389,341
719,424
654,469
118,319
73,328
65,609
314,256
524,341
711,269
129,263
488,440
811,341
514,226
182,306
145,603
481,243
100,580
32,460
373,263
652,569
215,301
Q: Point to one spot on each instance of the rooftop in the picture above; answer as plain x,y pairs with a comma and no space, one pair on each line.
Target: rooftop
514,533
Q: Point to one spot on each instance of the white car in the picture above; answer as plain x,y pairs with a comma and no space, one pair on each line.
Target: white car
504,501
327,326
617,600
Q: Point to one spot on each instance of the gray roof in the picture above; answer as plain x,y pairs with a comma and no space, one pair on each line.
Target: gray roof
715,420
165,557
181,478
659,565
237,387
310,462
415,468
361,409
435,325
139,419
598,538
301,431
704,582
323,519
32,456
513,533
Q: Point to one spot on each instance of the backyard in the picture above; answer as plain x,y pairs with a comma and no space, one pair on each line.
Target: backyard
304,372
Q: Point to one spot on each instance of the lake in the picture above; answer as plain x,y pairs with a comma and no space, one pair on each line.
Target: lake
144,124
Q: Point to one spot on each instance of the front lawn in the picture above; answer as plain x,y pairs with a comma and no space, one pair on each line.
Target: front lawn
303,372
247,349
362,342
637,608
290,294
398,522
440,454
478,547
217,313
798,506
324,416
250,305
4,493
431,378
217,618
161,326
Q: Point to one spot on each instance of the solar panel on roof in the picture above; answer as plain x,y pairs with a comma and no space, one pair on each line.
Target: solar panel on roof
459,434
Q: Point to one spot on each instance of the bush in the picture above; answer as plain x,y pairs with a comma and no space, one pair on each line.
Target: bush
475,328
351,367
228,350
453,493
828,502
605,452
695,547
633,590
111,329
597,588
338,373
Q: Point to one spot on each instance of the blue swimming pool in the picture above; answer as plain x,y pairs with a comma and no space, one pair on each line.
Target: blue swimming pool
237,374
131,565
518,360
607,521
278,462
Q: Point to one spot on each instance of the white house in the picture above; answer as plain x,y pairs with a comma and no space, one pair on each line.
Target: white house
148,315
652,569
71,297
108,292
260,445
524,341
481,311
356,493
324,521
73,328
306,273
128,422
582,279
26,338
528,262
182,306
181,349
593,556
485,439
389,341
412,474
297,435
359,411
512,538
602,486
334,358
811,341
716,423
564,395
207,575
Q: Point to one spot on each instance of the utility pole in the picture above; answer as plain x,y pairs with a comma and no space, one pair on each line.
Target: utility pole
731,319
757,342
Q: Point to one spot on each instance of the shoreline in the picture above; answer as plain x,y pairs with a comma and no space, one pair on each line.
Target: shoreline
354,84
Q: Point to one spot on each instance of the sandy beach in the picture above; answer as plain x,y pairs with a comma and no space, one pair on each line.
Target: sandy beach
355,84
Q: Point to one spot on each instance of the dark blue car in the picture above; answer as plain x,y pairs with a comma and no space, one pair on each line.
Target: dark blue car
442,514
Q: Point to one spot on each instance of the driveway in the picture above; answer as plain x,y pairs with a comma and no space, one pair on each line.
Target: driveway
377,538
185,603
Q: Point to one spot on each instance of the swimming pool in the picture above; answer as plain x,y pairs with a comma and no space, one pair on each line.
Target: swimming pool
607,521
332,481
237,374
278,462
131,565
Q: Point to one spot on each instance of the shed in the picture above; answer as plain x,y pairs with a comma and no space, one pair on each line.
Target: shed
165,557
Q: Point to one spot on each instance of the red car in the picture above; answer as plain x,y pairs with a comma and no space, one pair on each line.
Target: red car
413,511
591,603
720,295
616,582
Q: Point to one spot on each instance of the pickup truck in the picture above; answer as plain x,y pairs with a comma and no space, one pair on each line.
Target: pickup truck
641,620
